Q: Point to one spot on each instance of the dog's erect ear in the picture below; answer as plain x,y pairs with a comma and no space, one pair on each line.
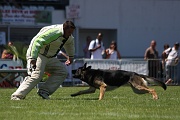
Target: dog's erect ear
84,65
89,67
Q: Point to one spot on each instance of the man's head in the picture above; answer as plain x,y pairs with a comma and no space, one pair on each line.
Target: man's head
68,27
153,44
176,45
99,37
166,46
113,45
10,43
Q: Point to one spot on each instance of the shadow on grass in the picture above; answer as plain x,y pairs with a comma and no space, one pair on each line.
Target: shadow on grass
73,98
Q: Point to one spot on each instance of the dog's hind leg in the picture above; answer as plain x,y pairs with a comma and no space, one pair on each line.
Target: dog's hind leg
141,90
138,85
153,92
88,91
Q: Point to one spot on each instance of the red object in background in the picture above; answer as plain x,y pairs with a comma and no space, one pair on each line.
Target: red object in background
5,84
47,73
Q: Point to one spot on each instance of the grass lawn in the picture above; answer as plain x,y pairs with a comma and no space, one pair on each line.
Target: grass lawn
120,104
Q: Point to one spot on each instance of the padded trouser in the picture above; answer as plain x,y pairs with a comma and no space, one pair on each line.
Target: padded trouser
51,65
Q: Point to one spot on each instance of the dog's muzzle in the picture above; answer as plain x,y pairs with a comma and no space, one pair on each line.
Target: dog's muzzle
73,71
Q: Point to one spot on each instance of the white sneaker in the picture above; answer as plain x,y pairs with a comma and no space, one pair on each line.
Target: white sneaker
15,98
43,94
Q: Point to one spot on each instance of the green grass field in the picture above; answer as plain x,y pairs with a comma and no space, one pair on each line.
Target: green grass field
120,104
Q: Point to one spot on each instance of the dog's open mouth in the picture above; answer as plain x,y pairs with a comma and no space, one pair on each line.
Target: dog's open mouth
76,76
73,71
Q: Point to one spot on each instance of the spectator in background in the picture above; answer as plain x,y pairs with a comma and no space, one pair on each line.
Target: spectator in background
163,57
165,53
96,47
2,47
87,53
171,64
151,54
112,52
7,54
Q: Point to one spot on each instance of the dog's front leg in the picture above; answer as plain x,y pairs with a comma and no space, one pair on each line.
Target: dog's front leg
88,91
102,87
102,91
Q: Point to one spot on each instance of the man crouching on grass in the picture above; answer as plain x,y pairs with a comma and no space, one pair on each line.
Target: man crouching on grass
41,57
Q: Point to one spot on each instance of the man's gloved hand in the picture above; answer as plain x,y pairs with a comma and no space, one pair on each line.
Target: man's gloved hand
33,64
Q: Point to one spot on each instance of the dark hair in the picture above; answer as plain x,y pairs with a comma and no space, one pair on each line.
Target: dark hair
68,24
166,46
115,44
176,44
100,34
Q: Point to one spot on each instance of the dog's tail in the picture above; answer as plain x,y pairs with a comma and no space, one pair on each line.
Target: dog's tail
155,81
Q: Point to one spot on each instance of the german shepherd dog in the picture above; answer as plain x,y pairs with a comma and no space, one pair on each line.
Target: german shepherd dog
112,79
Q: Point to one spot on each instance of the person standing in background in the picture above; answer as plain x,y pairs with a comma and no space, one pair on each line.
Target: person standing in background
96,47
87,53
163,57
112,52
165,53
172,64
151,54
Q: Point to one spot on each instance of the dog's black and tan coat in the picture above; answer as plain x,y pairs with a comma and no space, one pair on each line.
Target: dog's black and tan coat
111,79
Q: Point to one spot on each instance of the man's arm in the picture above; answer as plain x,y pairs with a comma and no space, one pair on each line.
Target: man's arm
41,39
64,54
146,54
70,50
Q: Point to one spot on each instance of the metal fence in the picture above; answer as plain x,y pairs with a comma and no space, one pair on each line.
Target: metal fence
153,68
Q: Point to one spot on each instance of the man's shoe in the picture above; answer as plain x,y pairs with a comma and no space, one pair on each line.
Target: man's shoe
15,98
43,94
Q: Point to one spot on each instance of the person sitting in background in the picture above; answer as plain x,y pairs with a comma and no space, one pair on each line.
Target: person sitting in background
2,47
171,64
6,54
112,52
